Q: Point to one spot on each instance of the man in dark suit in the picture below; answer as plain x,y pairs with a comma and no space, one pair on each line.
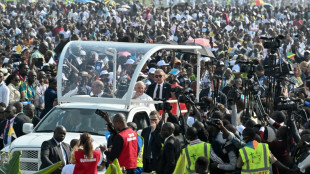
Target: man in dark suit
152,143
20,113
160,89
55,150
30,110
5,125
171,150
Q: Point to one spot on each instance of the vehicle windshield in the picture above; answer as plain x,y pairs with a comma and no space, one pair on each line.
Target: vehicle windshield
75,120
87,62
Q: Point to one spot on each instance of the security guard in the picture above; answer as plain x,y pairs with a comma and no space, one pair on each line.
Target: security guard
139,168
197,148
255,158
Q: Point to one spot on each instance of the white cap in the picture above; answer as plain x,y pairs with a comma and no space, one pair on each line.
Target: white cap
222,63
82,53
129,62
142,75
152,70
162,63
104,72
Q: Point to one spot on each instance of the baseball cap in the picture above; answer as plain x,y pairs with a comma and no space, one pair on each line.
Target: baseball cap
104,72
152,70
162,63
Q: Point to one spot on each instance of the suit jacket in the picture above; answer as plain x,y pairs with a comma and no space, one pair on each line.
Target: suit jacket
169,156
23,117
17,126
166,90
155,141
51,154
35,121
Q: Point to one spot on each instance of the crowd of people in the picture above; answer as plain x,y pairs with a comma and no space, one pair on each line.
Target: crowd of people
226,133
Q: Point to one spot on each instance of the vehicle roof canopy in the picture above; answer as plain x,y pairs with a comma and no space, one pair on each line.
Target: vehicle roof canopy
113,63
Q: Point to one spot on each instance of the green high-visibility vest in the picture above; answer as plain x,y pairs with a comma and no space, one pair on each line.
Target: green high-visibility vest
255,161
194,151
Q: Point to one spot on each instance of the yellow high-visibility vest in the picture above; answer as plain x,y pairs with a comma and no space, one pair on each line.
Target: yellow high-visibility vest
140,154
194,151
255,161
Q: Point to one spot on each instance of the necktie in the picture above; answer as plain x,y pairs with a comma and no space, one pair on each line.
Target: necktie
63,153
158,92
149,147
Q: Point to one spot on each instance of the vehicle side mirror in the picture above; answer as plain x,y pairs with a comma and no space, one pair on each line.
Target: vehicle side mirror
27,128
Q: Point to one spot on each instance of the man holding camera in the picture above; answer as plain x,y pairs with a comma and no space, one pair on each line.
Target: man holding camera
125,144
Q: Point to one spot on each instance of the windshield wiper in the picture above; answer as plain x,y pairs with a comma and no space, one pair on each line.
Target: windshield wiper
93,133
44,131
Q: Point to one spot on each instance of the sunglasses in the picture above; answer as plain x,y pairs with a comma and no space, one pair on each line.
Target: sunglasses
7,111
158,76
153,119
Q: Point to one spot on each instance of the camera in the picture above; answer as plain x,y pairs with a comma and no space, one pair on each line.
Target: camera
233,93
212,122
272,43
248,66
291,105
163,106
187,97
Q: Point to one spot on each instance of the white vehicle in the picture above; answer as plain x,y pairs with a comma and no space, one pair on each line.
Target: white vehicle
76,110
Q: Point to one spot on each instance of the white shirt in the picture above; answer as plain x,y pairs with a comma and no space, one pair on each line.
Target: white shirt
160,92
4,93
67,34
144,97
68,169
63,152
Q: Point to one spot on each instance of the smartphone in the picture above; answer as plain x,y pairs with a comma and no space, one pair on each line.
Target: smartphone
101,113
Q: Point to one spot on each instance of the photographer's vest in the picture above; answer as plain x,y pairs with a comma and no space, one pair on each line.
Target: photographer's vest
255,161
194,151
129,153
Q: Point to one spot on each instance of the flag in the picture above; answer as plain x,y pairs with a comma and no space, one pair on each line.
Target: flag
175,71
258,2
181,165
18,49
109,2
290,55
111,168
11,132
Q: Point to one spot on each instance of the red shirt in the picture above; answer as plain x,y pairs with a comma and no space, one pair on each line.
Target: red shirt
85,165
57,30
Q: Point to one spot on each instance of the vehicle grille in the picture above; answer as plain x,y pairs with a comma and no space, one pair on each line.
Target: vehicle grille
29,166
29,160
29,154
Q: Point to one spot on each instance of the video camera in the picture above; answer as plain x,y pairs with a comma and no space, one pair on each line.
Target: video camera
212,122
186,96
166,106
272,43
248,66
290,105
233,93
